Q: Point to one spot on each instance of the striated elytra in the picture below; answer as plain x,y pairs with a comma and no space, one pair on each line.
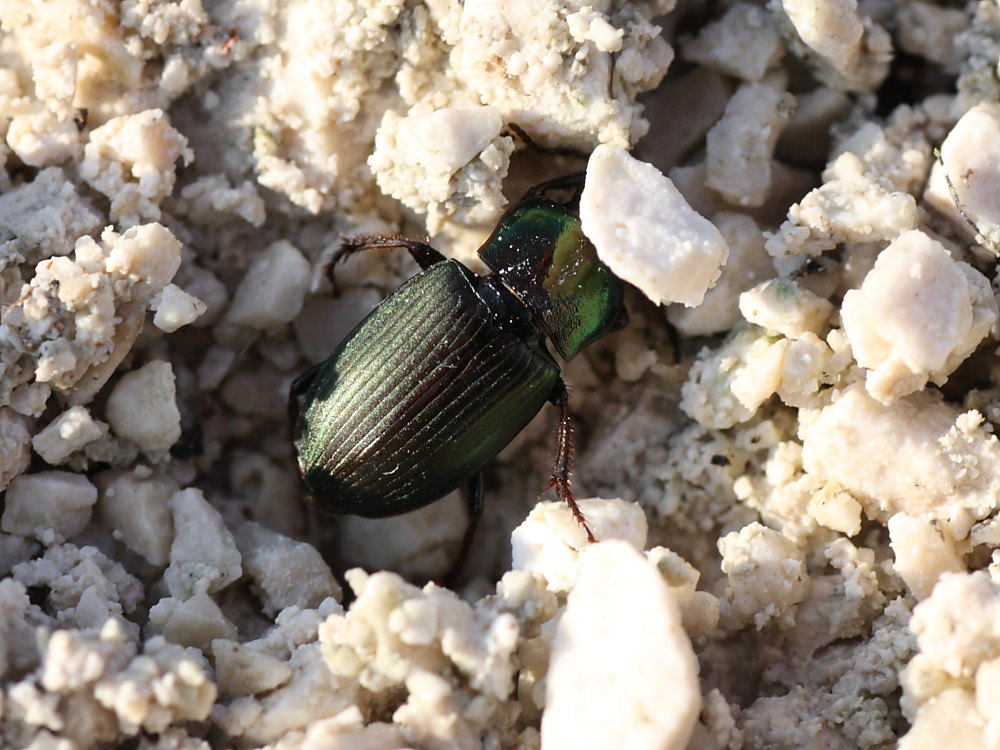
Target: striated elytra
451,366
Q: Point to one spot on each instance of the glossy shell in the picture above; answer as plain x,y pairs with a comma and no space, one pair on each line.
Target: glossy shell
419,397
540,252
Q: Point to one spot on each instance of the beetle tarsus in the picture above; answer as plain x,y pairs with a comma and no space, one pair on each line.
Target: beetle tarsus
562,470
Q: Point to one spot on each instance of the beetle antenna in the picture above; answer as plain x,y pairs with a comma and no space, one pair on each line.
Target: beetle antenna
562,472
517,130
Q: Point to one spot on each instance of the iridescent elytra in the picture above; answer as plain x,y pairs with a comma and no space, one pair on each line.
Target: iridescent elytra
450,367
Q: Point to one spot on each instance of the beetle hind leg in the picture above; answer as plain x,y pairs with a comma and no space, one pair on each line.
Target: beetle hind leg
562,470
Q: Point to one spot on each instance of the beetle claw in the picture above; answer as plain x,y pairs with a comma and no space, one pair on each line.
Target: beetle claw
561,477
564,493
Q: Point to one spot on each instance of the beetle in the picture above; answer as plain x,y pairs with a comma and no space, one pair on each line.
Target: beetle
450,367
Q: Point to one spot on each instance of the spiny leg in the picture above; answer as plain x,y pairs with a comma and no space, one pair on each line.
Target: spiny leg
425,255
474,504
562,469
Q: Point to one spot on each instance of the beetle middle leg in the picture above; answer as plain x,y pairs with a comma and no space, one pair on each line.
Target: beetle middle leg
562,469
474,504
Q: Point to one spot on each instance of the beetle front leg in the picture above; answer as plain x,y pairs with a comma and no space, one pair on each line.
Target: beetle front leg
562,469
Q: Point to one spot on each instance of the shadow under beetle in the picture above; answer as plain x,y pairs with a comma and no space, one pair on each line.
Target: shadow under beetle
452,366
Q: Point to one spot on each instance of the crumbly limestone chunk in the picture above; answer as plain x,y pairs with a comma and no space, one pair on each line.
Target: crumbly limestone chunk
311,137
970,161
133,506
619,654
542,65
699,609
707,394
957,627
950,720
67,433
132,160
85,587
245,671
42,218
767,575
176,308
744,43
929,31
666,249
142,408
211,200
896,153
739,147
781,305
163,685
951,687
835,508
306,698
850,206
916,317
746,264
848,51
42,139
203,556
447,654
50,506
195,622
550,541
15,442
77,319
448,164
920,435
272,290
780,491
30,399
285,573
923,553
726,386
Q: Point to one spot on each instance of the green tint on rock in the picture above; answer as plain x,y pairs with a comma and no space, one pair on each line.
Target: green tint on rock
540,253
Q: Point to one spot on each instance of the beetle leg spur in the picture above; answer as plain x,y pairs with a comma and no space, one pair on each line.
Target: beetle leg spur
562,468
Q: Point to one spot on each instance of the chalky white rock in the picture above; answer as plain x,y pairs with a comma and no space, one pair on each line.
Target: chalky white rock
622,672
646,232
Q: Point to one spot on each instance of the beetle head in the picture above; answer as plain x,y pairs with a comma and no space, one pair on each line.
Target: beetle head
541,254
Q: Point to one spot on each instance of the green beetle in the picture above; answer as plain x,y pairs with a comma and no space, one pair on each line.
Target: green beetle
452,365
